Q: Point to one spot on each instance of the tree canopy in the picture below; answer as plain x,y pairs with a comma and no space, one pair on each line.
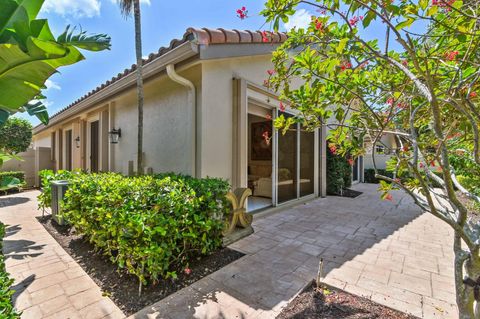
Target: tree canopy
402,67
15,135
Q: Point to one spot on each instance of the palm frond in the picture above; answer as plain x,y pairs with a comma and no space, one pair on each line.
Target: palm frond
126,7
93,42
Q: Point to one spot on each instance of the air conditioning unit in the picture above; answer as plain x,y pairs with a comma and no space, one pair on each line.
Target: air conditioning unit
58,189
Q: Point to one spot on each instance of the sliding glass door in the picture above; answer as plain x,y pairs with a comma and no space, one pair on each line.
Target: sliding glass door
287,164
295,163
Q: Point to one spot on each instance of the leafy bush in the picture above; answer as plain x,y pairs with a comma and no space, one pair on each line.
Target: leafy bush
339,173
10,180
369,175
149,225
6,307
46,177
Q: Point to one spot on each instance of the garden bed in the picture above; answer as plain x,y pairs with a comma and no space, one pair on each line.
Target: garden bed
121,287
350,193
333,303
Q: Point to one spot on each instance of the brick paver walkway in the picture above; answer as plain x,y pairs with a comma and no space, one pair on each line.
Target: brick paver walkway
49,283
387,251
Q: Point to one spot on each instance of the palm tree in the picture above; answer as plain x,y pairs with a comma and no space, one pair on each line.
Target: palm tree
126,7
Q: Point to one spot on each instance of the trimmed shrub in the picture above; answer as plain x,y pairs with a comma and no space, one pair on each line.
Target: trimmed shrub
7,310
11,180
339,173
151,226
369,175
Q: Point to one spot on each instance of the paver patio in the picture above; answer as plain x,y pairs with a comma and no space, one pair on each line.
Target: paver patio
387,251
48,282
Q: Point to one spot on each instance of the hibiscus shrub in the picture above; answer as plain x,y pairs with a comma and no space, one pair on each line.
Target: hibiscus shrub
7,310
151,226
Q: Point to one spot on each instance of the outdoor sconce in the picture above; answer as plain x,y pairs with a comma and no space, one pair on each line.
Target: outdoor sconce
77,142
115,135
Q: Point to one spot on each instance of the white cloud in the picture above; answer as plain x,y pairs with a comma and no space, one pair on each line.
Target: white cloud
74,8
52,85
301,19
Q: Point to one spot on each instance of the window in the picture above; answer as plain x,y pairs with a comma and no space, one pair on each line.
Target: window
380,149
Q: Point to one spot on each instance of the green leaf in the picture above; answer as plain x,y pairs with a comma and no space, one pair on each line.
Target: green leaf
431,11
13,11
96,42
405,23
423,4
341,45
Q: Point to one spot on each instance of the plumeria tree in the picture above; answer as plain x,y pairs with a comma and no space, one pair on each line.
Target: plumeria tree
408,68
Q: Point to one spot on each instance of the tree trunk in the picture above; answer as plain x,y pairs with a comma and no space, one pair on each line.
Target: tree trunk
466,267
138,52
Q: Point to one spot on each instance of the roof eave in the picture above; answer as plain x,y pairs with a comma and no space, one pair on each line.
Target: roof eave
176,55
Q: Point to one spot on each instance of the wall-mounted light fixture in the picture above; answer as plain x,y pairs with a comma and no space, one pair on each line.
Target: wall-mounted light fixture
77,142
115,135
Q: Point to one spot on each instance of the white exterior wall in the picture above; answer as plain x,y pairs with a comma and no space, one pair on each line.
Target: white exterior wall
380,159
217,109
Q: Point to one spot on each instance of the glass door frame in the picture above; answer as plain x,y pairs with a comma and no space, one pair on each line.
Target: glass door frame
316,160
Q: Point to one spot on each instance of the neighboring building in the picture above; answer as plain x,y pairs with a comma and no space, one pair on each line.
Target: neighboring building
384,150
205,113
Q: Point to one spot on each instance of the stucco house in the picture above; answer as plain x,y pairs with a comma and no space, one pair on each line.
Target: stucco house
205,113
383,150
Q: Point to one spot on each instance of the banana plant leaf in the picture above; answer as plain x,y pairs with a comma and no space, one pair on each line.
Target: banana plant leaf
30,54
9,182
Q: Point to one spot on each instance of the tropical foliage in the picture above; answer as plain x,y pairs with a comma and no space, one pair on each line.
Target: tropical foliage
339,173
30,54
151,226
15,135
11,180
407,68
7,310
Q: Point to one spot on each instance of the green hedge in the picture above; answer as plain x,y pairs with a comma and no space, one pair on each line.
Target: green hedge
339,173
6,307
149,225
369,175
11,180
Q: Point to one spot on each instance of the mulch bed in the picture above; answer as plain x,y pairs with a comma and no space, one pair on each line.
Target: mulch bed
121,287
331,303
350,193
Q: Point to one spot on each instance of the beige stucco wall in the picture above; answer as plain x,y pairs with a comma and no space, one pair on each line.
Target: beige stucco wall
41,140
168,128
217,109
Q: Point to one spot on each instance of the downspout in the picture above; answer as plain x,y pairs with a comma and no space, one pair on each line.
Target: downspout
192,100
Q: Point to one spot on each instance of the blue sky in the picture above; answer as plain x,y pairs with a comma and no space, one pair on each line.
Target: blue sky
162,21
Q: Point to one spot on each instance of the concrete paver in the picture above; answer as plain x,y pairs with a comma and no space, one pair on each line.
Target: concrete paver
48,282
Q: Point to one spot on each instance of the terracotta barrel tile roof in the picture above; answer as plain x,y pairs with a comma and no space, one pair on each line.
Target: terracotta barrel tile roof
204,36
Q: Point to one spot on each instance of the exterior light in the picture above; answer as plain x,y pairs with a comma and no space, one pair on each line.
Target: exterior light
115,135
77,142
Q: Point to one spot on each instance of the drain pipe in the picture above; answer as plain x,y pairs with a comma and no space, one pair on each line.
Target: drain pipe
192,100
